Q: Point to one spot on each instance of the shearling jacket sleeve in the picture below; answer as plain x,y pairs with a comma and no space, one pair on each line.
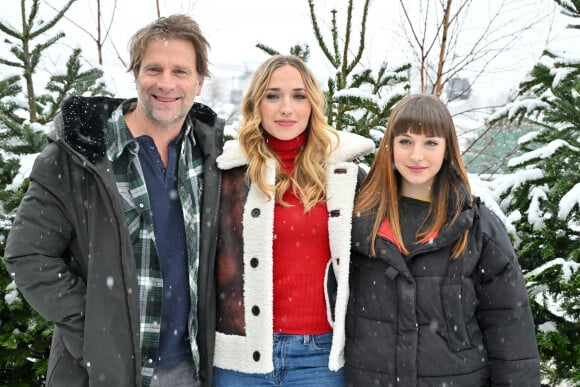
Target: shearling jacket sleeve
504,312
36,254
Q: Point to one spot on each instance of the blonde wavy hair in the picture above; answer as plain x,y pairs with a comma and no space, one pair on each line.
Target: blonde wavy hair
308,179
426,115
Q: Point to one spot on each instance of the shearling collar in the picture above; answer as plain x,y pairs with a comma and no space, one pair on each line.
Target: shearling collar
82,121
351,147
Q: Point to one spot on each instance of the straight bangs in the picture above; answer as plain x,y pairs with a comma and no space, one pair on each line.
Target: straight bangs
421,117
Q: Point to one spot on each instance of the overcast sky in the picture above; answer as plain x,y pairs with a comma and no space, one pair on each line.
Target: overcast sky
234,27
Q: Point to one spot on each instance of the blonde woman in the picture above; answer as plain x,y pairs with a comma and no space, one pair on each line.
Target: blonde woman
437,297
288,187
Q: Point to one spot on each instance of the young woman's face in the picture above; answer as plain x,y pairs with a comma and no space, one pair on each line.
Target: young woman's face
418,159
285,107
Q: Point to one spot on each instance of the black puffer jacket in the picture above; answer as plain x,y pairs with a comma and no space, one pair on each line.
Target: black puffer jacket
71,254
426,320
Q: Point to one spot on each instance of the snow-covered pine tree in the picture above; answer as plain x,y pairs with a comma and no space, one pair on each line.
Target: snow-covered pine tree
357,100
363,105
546,200
24,335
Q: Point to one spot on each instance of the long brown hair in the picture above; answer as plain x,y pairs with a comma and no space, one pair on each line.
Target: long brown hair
425,115
309,174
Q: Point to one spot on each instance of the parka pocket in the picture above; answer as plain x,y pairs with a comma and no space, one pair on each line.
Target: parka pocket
63,369
451,297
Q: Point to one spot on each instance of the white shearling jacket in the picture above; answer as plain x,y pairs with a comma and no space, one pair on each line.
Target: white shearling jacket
244,335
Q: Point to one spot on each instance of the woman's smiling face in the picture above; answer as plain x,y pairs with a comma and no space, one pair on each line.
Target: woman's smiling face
285,107
418,159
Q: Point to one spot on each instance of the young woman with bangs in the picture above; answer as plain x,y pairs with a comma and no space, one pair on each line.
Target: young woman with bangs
437,295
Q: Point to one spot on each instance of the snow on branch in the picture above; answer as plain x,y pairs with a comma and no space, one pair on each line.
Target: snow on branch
535,212
512,109
541,153
568,201
356,93
555,303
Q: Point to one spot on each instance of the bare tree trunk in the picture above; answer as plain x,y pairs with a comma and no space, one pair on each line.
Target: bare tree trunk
99,37
26,61
422,72
158,9
442,49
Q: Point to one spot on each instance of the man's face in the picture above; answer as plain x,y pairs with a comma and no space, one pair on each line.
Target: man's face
167,82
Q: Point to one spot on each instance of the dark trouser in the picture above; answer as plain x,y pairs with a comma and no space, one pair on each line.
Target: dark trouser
180,375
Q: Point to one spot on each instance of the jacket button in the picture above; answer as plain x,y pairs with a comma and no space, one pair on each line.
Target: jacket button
255,310
254,262
256,356
255,212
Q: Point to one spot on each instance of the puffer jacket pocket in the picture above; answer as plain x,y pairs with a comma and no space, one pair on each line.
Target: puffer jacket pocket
451,297
372,346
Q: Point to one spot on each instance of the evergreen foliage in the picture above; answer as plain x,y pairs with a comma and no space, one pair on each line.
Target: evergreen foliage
357,102
24,118
302,51
547,199
24,335
27,54
9,87
75,81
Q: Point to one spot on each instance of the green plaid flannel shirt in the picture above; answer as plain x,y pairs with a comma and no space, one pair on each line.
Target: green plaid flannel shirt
123,153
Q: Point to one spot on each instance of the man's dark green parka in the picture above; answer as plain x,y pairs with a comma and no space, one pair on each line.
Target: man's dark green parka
70,252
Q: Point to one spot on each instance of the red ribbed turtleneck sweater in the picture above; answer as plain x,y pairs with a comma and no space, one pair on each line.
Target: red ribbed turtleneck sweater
301,252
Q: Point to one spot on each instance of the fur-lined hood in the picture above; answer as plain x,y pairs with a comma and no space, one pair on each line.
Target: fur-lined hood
82,120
